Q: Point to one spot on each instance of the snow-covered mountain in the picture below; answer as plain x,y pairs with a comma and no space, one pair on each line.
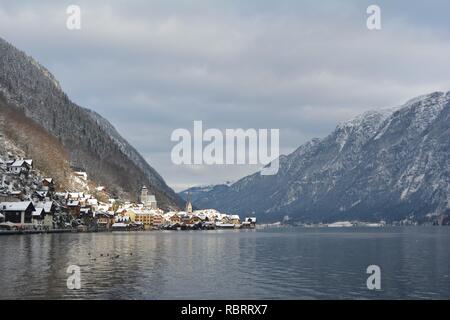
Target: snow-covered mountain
197,192
90,141
387,164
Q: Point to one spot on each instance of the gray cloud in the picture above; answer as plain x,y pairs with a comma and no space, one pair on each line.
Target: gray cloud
301,66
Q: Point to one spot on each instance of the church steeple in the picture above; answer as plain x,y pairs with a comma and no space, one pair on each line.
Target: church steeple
144,195
148,200
188,203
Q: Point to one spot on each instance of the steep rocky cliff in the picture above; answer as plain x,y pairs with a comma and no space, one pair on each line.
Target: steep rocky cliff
387,164
90,141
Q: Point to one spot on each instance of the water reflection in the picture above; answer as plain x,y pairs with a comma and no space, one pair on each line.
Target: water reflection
268,264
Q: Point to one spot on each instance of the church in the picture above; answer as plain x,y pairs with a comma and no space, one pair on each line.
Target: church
148,200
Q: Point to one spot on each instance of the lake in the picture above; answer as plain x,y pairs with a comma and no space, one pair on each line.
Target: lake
279,263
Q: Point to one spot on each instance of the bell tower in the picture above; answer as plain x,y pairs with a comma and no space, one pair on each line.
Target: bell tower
188,203
144,195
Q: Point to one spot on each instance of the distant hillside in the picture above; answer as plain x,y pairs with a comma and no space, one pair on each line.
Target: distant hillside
88,140
387,164
198,192
22,133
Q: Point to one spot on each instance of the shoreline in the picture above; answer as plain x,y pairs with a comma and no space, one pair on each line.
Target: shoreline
262,227
28,232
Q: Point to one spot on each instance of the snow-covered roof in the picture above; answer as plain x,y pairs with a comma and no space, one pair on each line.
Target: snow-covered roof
103,207
38,212
21,162
81,175
1,216
16,206
47,206
18,163
144,212
92,202
101,213
42,193
119,225
75,195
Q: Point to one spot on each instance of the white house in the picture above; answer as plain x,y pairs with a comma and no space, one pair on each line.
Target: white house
38,216
81,175
20,166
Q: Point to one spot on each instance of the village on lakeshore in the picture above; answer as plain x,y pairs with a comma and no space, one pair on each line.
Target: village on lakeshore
30,203
44,209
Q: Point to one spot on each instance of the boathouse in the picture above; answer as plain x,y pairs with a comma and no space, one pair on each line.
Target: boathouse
17,212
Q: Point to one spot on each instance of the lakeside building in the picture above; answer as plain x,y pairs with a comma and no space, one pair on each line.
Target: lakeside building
105,220
43,208
235,219
17,212
150,219
249,223
74,208
38,216
158,220
174,219
43,215
144,218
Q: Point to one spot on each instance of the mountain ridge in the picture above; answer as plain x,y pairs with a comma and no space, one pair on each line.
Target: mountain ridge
379,165
91,141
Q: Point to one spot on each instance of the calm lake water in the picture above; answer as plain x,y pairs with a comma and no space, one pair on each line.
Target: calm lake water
284,263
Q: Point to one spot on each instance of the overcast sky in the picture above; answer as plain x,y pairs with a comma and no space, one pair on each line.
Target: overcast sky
150,67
